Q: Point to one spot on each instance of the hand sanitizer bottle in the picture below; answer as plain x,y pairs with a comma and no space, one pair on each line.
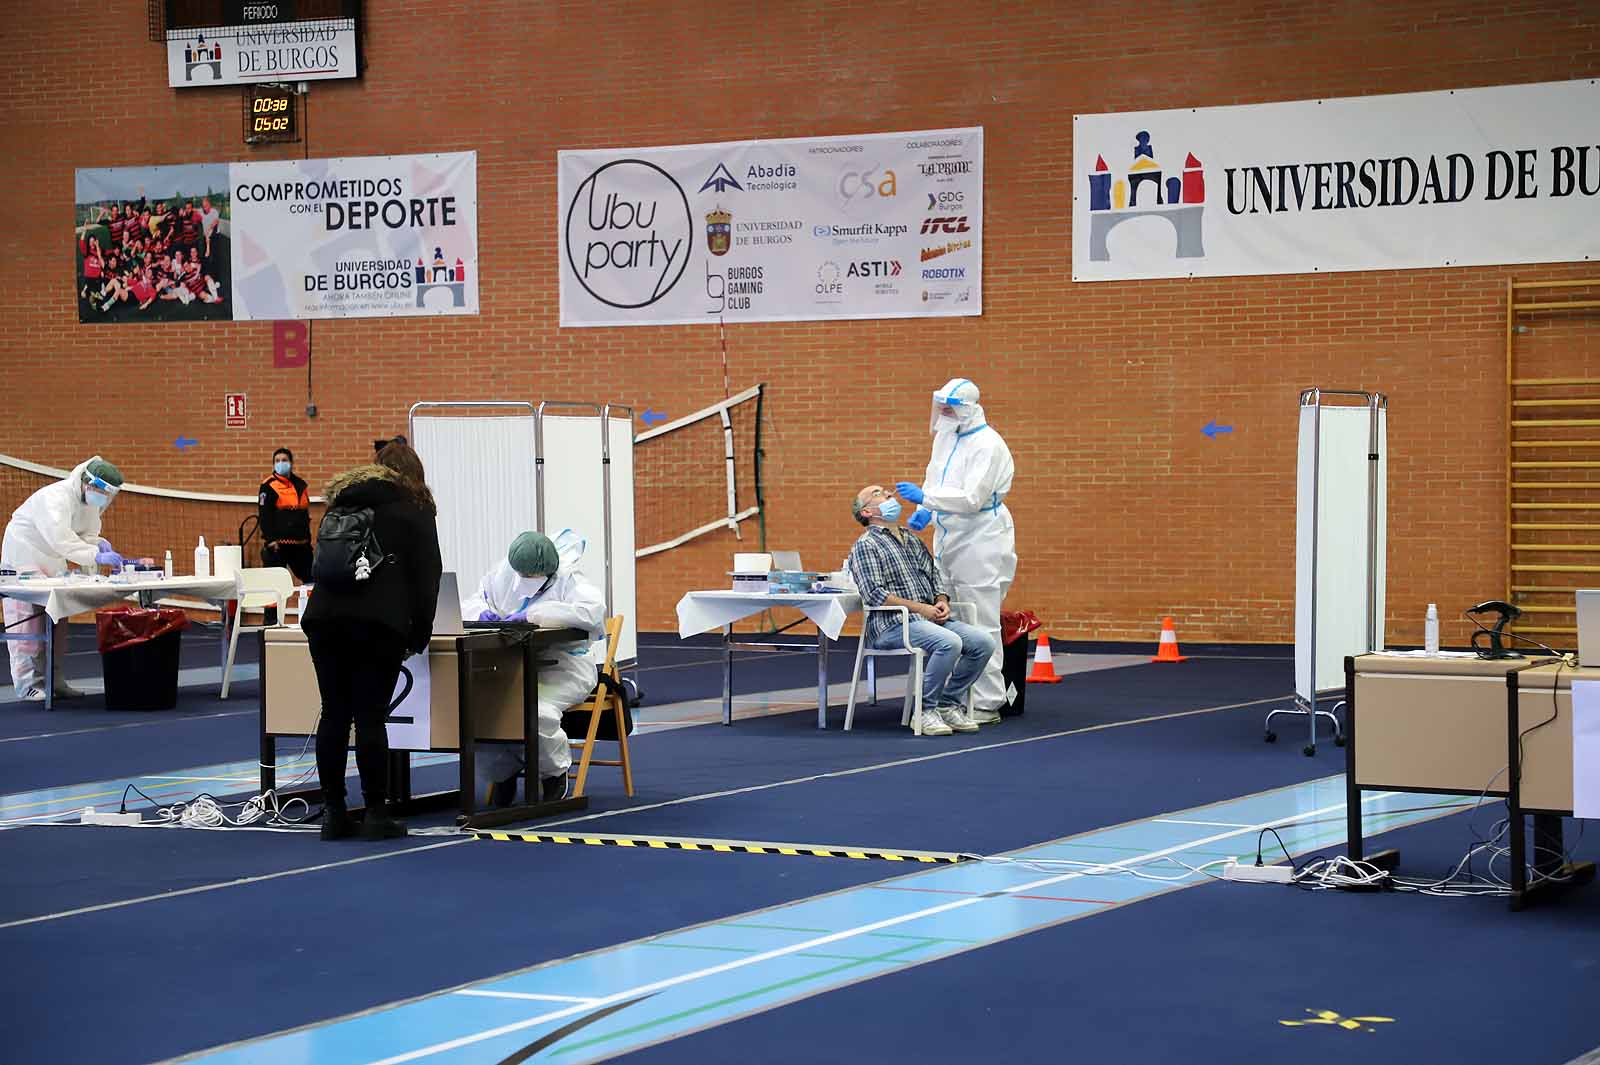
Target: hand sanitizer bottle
167,569
202,559
1431,630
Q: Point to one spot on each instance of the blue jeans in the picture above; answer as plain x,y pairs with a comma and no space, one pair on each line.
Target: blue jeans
954,656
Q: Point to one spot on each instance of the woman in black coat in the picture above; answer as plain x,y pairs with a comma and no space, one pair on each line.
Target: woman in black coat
361,630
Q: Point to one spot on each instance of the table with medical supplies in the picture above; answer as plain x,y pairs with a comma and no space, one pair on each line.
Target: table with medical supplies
705,611
483,685
63,597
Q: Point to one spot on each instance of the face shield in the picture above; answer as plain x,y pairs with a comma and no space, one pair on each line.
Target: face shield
953,405
97,492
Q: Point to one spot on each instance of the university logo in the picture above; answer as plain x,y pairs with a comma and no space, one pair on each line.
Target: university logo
441,273
719,231
1143,190
199,54
722,181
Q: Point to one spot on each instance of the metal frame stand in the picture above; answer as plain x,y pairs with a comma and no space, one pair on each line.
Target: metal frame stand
1303,707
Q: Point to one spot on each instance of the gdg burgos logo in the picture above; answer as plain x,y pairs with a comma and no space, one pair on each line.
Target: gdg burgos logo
629,233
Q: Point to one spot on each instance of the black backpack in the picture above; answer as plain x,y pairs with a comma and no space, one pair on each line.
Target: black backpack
348,551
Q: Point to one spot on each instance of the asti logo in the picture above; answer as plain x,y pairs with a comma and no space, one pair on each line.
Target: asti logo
874,268
955,224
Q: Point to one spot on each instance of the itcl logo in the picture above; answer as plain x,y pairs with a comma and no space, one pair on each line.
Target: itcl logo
956,224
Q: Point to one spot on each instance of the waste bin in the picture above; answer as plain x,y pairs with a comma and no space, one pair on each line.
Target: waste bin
1014,629
139,656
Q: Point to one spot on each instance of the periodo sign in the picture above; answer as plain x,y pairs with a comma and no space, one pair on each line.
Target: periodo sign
269,114
629,233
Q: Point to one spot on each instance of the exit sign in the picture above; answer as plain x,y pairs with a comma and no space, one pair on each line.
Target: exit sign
237,415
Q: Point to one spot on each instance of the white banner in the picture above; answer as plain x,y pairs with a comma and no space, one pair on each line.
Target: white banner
1468,177
239,55
373,236
884,225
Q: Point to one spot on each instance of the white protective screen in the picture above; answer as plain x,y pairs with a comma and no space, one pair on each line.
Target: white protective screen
481,471
623,560
1339,509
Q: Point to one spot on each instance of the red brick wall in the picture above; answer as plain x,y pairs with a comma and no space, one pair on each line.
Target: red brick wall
1124,510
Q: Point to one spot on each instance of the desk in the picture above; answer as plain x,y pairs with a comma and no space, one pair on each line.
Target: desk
1538,755
495,697
703,611
61,597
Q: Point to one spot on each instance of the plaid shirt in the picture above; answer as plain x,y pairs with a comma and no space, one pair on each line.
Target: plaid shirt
887,562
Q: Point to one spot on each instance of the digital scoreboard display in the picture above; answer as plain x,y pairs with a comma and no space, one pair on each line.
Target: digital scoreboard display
270,114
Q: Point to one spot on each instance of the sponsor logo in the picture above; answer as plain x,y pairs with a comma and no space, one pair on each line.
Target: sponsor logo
776,178
944,273
942,168
629,231
874,268
946,224
858,186
945,249
202,54
766,232
440,273
722,181
719,232
1145,189
735,289
830,283
947,295
947,200
864,233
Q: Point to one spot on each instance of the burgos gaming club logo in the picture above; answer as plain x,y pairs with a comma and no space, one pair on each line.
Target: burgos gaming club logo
1140,193
629,232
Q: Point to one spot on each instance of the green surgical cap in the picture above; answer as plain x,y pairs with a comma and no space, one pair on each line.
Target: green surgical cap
533,554
106,472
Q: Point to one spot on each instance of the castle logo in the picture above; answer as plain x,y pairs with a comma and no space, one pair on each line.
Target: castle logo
200,54
1179,200
441,274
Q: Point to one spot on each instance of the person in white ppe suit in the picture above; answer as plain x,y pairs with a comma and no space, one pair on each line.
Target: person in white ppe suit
538,583
57,525
974,541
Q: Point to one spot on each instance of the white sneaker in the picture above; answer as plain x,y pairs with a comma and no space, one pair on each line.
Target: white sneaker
67,691
985,717
932,723
32,695
956,717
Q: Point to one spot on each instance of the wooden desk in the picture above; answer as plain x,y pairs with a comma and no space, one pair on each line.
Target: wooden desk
1538,757
495,697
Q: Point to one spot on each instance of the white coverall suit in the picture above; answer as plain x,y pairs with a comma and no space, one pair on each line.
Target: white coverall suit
52,528
568,601
974,540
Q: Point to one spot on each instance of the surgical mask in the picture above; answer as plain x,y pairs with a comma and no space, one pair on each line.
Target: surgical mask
889,509
97,500
949,421
281,469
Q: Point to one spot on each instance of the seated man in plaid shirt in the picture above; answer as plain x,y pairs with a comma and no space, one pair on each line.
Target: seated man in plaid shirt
891,567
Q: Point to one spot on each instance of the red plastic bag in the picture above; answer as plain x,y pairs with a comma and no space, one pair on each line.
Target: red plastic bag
1015,624
124,626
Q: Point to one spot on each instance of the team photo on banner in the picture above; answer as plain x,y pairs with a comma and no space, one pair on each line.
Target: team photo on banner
877,226
1465,177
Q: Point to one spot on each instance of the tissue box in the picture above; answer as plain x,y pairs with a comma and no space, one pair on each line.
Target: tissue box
749,582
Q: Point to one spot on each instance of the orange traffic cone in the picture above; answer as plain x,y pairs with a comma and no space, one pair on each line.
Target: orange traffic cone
1044,666
1168,651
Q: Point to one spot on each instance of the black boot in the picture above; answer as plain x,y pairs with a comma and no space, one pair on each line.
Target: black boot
553,789
379,825
336,823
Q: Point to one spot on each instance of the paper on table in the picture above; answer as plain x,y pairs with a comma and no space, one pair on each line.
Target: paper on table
1586,748
1426,654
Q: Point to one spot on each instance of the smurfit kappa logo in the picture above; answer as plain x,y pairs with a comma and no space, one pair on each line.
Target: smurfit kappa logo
198,54
1140,191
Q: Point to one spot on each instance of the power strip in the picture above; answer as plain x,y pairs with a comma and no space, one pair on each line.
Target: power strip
1258,874
91,816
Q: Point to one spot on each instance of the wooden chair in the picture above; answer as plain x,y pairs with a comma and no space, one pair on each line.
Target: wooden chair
603,700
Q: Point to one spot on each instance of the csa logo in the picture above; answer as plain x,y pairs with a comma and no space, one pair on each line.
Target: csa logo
719,231
1142,192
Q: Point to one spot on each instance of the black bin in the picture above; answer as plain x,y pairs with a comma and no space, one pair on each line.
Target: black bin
1015,628
139,656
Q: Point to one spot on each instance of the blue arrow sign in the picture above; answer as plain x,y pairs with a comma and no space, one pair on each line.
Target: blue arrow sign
1212,429
650,417
184,443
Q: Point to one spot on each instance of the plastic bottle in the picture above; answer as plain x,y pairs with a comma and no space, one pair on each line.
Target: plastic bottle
1431,630
167,567
202,559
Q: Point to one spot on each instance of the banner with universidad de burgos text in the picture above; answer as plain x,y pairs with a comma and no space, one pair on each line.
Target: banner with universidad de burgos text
239,55
375,236
885,225
1467,177
362,237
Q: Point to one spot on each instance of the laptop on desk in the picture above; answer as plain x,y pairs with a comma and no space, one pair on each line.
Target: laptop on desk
447,610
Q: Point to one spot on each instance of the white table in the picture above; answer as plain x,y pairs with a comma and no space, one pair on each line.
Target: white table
704,611
62,597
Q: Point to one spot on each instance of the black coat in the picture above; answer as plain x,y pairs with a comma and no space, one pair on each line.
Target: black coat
402,593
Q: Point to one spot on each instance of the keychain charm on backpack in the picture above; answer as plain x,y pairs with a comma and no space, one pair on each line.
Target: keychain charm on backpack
363,568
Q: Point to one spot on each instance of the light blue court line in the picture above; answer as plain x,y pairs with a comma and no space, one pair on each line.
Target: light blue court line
612,1001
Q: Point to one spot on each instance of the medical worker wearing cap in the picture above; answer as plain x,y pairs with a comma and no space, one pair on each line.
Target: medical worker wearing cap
57,525
974,540
539,584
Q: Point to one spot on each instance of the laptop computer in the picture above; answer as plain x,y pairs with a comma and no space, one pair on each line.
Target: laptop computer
788,561
447,611
1589,627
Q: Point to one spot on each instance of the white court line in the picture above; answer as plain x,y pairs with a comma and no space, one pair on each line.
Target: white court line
131,724
1203,824
835,937
529,995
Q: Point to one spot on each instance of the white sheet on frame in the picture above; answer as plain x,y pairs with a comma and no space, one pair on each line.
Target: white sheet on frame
1341,510
481,471
624,599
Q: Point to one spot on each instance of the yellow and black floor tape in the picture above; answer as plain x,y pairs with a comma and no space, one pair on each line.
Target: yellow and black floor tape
725,846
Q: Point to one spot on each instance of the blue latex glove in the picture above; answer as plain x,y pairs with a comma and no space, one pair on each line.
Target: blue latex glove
107,557
920,519
520,616
911,493
490,615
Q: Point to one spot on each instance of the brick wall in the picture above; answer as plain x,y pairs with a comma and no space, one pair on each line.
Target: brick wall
1124,510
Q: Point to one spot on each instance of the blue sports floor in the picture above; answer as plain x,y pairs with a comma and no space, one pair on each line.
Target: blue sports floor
1086,925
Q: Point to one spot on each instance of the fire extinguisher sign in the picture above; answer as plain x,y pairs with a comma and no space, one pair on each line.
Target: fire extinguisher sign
237,414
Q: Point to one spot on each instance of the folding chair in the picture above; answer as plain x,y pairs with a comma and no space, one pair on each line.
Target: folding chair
912,711
253,589
606,697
